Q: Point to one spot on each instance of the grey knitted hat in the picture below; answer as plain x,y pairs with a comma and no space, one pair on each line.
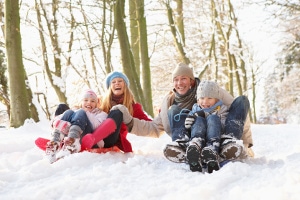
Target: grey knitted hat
208,89
183,70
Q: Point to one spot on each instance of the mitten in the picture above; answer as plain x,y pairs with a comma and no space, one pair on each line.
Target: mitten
189,121
96,111
62,126
126,115
200,113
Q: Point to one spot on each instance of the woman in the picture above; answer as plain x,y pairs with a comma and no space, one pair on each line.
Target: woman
113,131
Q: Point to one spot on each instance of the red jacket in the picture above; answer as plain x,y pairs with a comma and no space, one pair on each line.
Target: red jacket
137,113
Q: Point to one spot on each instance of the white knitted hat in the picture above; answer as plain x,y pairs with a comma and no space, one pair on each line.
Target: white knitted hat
208,89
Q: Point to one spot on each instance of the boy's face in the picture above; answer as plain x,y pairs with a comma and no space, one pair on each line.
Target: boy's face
207,102
88,104
182,84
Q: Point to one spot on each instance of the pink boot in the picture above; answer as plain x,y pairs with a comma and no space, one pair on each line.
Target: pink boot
104,130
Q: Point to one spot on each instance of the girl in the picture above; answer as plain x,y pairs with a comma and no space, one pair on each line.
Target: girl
70,126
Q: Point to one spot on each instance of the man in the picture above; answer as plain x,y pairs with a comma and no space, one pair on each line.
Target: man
172,116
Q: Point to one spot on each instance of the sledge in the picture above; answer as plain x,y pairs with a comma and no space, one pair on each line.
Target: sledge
42,142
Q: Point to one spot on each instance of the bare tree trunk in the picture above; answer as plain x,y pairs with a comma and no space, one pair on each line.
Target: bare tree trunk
4,95
177,37
106,49
143,41
134,34
179,20
55,46
20,110
126,54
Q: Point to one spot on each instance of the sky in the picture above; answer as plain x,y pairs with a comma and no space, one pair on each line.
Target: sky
25,173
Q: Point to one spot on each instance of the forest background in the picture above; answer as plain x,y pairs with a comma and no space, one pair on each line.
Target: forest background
50,50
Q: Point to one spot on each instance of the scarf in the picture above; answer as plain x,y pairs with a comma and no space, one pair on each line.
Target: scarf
115,100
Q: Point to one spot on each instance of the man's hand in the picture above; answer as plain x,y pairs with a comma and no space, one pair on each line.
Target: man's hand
126,115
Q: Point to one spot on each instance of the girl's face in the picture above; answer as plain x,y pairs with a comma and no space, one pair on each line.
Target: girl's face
207,102
182,84
117,86
89,104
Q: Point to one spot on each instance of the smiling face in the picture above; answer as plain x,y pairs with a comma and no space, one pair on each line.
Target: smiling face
117,86
88,104
207,102
182,84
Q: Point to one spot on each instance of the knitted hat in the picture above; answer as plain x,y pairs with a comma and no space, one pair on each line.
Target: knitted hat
183,70
89,94
114,75
208,89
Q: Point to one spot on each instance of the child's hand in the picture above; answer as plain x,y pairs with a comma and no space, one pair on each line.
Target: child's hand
189,121
200,113
96,111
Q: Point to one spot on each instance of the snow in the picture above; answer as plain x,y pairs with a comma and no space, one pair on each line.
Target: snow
274,173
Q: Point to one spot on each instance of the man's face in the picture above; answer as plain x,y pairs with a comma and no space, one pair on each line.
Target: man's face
182,84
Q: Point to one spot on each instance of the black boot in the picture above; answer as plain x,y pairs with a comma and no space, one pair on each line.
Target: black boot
193,155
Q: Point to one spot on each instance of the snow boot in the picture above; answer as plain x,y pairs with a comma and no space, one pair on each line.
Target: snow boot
231,148
53,146
176,151
210,156
104,130
71,143
193,155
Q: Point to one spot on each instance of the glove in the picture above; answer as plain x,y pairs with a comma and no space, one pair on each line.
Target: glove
126,115
200,113
62,126
96,111
189,121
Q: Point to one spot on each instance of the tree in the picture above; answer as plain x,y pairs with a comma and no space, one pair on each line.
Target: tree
126,53
145,60
20,110
4,96
177,35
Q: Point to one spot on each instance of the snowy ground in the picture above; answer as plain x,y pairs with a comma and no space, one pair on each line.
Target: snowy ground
274,173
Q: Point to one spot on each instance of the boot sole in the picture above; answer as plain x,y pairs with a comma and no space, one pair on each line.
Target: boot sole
193,156
212,165
231,151
211,159
174,154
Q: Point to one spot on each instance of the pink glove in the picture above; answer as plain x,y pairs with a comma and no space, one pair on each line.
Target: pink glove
62,126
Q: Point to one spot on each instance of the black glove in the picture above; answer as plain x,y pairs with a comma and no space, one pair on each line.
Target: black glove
189,121
200,113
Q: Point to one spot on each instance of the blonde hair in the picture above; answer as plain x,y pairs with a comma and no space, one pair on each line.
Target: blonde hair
128,100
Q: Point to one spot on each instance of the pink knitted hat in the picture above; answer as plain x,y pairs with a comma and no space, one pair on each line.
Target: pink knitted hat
89,94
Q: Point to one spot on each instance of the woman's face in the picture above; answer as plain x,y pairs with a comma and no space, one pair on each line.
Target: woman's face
117,86
182,84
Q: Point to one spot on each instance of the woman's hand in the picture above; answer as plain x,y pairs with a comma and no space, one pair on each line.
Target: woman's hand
126,115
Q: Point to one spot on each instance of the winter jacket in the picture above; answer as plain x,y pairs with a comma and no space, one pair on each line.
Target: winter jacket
160,124
138,113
